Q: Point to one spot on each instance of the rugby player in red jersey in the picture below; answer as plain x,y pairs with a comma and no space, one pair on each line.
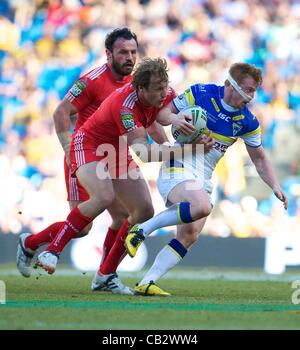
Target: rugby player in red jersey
83,99
101,161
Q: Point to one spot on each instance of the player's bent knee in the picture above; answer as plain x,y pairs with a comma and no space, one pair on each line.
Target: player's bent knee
206,210
103,201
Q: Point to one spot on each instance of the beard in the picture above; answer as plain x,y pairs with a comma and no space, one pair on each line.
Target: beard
122,69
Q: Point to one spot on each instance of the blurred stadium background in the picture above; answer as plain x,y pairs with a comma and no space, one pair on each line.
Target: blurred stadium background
46,45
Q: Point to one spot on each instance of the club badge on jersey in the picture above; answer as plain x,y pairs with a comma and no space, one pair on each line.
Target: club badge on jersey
78,87
127,121
236,128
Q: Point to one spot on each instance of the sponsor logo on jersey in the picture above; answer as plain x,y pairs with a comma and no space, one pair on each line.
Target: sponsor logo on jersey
77,88
224,117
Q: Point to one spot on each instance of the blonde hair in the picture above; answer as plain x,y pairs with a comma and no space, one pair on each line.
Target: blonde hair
149,67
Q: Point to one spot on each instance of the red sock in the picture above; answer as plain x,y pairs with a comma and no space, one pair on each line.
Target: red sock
75,222
45,236
117,252
108,243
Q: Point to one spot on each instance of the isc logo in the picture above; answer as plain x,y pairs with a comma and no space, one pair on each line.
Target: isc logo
224,117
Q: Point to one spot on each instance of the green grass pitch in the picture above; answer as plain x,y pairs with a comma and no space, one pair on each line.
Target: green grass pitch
210,300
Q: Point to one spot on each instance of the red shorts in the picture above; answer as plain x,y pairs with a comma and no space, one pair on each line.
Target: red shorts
75,190
83,151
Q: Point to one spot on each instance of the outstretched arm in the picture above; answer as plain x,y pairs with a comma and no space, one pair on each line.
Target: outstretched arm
137,139
266,172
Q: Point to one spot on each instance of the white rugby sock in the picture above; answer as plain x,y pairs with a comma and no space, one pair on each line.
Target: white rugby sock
177,214
166,259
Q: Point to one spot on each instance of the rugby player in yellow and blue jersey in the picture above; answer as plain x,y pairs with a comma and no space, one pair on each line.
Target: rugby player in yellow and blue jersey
186,187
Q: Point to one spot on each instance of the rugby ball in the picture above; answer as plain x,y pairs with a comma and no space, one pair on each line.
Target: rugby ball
198,119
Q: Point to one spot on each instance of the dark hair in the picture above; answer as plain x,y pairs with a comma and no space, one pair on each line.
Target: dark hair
117,33
241,70
149,67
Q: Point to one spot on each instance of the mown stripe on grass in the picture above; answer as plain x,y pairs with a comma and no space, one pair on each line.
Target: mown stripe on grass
151,305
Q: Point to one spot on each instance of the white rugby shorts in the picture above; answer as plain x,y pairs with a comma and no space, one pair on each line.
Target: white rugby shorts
173,173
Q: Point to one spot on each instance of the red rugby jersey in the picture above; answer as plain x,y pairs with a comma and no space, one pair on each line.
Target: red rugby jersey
90,90
119,114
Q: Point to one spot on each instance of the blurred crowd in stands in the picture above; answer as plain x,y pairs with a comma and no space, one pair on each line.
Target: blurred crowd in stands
46,45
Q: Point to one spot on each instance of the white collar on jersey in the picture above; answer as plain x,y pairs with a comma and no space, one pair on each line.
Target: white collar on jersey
227,107
236,86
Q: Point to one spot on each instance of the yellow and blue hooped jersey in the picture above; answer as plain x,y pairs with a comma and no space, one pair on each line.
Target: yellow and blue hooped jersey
226,126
